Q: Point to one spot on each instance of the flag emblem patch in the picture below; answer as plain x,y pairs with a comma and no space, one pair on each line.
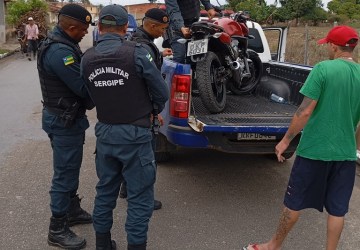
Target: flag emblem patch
148,56
68,60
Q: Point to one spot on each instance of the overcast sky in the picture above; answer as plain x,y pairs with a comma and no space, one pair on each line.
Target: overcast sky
125,2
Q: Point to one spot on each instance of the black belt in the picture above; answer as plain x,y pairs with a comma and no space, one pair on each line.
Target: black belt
60,112
55,111
142,122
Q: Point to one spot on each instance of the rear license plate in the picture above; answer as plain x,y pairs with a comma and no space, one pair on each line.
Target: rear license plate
197,47
254,136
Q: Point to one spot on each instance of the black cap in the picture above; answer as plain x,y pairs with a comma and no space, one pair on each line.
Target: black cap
118,12
157,15
76,12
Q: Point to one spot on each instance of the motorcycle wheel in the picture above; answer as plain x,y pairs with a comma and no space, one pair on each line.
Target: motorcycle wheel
247,84
212,91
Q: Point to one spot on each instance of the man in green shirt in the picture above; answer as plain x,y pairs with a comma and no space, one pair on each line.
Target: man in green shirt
323,173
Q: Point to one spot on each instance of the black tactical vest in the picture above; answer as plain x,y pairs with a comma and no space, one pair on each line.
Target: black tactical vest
141,37
119,94
52,88
190,9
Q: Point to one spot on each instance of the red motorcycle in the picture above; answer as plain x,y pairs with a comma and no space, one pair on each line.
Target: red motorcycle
221,59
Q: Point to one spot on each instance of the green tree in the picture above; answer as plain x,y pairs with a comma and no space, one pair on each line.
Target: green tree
18,8
316,15
348,8
299,8
259,11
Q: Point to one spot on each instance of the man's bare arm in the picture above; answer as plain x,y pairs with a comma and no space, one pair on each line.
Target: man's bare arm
300,118
298,122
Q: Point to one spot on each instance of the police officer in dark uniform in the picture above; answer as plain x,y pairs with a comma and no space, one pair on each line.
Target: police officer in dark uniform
65,100
124,84
155,23
183,13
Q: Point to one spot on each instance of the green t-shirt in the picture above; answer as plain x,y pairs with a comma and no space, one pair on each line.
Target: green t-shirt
329,134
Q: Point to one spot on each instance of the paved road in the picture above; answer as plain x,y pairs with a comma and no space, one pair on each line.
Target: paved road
212,200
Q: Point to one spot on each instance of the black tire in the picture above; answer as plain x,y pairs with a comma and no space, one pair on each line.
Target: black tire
287,155
212,92
162,157
248,84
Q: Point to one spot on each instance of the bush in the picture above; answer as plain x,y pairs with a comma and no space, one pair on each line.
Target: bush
19,8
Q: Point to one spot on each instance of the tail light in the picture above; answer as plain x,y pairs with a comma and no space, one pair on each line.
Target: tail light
180,96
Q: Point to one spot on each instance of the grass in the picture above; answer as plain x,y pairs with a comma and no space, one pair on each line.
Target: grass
295,46
3,51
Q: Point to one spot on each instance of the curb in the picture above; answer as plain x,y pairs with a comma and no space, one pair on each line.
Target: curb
9,53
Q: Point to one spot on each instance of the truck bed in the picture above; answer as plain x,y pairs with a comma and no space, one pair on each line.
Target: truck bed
249,110
256,109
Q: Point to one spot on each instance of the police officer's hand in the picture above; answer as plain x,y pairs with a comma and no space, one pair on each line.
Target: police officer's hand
185,31
161,120
211,13
167,52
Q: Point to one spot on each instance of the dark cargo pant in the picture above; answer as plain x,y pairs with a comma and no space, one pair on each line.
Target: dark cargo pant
132,159
67,145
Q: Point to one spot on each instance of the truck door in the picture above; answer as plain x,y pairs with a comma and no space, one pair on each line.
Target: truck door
276,37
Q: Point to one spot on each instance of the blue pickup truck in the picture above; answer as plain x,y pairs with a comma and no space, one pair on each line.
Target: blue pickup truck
250,124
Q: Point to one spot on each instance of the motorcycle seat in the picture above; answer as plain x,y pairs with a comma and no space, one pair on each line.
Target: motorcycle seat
207,25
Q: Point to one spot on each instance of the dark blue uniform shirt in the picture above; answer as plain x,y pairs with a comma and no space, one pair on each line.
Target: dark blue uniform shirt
145,68
54,64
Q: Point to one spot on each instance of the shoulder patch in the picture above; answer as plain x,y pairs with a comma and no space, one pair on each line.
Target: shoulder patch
148,56
68,60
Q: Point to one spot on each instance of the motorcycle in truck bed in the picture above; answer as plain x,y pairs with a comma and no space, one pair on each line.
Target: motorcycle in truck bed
251,123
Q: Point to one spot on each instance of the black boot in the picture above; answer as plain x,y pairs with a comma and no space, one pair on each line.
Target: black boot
76,214
104,242
157,205
137,247
60,235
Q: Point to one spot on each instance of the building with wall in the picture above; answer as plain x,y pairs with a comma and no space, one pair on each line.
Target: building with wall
138,10
2,21
54,8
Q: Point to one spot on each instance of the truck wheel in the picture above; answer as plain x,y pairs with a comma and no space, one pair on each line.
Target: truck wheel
287,156
212,91
247,84
162,156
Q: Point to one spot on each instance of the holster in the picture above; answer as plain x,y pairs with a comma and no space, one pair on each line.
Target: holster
155,126
70,112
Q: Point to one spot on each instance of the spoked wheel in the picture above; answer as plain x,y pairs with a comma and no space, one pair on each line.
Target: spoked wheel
247,84
212,90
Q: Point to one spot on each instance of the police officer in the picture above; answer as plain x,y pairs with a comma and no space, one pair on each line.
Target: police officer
154,25
183,13
121,77
65,100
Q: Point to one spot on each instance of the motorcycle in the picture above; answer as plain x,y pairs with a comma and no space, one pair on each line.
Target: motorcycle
218,52
20,35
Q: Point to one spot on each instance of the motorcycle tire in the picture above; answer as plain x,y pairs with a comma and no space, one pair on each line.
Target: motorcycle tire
247,84
212,91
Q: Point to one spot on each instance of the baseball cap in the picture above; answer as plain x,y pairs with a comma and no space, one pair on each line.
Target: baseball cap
341,35
118,12
157,15
76,12
30,19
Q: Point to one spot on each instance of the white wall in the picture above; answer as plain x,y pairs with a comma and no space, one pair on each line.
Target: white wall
2,22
